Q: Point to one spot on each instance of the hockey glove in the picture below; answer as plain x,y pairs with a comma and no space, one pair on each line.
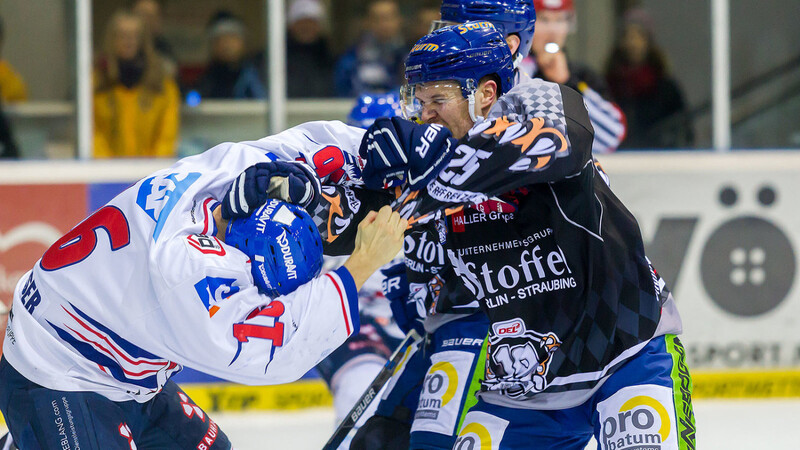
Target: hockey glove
290,181
396,150
404,309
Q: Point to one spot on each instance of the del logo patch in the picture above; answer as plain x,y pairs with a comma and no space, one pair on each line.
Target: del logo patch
207,245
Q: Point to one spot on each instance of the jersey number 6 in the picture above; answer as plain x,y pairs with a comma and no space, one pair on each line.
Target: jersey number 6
81,241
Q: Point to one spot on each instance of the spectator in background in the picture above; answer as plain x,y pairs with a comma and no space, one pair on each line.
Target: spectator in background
638,75
310,72
8,145
423,19
548,60
135,102
150,11
12,86
230,74
375,62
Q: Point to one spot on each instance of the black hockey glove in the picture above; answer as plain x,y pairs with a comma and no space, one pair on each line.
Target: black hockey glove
396,151
290,181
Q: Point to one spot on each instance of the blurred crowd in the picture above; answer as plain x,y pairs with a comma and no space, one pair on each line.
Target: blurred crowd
140,81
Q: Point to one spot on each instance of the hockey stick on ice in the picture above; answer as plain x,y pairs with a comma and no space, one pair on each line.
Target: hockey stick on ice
372,391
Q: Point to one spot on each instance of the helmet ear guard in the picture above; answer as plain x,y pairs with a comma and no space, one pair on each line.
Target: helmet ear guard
283,244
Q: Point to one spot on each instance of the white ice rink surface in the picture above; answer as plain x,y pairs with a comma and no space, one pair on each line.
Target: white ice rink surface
721,424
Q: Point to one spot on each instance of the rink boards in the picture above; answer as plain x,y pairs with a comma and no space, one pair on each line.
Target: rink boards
723,230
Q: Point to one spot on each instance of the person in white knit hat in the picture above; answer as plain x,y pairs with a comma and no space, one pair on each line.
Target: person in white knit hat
309,74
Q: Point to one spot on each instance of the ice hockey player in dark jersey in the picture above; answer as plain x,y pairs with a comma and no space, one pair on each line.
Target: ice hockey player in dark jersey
582,340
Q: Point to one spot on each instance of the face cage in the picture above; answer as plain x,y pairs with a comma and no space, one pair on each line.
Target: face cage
412,108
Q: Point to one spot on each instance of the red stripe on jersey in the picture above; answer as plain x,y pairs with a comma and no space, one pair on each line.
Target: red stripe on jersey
113,347
108,352
208,216
341,298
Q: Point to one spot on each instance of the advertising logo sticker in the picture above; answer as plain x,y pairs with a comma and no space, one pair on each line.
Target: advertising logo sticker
638,418
158,195
203,244
442,390
481,431
213,290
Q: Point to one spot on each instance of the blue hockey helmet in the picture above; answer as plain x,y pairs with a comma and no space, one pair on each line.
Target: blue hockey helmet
283,244
464,53
370,106
509,16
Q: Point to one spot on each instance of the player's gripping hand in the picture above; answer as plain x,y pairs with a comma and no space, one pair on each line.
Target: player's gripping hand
395,288
396,150
378,240
290,181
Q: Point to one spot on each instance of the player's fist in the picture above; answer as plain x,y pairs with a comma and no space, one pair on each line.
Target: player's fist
380,235
378,240
289,181
397,151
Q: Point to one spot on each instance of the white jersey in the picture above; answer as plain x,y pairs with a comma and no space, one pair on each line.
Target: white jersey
142,287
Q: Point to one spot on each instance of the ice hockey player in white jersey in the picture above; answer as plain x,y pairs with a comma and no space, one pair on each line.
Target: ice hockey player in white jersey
158,278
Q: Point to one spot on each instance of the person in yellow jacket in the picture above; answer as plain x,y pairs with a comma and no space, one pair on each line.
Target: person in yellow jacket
136,105
12,86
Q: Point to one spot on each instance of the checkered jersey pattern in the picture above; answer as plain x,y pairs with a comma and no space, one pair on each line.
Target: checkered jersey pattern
532,98
621,310
622,304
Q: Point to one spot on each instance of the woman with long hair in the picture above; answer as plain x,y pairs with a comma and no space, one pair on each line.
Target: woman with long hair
639,78
136,104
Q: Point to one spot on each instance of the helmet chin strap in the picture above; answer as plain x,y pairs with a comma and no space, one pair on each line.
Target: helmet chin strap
518,59
474,114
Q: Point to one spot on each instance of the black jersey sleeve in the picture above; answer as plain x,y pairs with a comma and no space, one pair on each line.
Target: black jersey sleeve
548,138
340,211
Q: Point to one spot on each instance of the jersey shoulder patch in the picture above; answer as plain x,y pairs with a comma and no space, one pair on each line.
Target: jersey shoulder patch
201,244
158,196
